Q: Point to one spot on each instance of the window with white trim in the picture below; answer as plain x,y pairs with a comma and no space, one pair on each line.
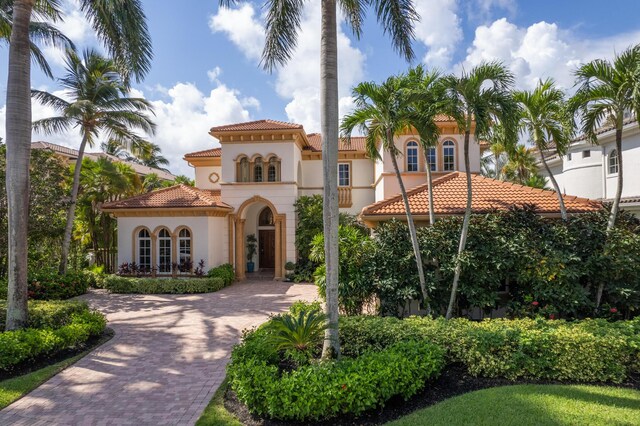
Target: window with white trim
344,174
273,171
449,156
184,250
614,165
243,170
164,251
144,250
257,170
431,158
412,156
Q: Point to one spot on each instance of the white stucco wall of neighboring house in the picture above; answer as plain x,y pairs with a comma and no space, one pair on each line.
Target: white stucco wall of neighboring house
284,150
204,176
199,226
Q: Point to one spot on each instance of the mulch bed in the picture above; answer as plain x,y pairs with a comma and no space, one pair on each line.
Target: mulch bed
31,366
454,381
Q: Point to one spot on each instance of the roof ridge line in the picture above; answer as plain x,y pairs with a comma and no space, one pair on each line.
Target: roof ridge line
135,197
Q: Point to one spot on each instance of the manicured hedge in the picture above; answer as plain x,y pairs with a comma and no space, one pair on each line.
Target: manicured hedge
49,285
223,271
117,284
584,351
75,325
47,314
327,389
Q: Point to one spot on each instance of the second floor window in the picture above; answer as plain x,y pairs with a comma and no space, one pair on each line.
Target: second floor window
273,171
613,162
243,170
431,158
257,170
344,175
449,156
412,156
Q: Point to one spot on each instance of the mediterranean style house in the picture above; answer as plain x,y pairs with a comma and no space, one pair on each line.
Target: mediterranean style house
592,171
249,184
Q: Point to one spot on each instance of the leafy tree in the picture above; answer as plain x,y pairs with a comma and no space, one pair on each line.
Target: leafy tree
121,26
98,104
478,99
283,22
382,112
521,165
544,116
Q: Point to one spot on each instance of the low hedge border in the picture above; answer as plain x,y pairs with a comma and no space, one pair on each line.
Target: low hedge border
326,389
579,351
47,314
127,285
27,345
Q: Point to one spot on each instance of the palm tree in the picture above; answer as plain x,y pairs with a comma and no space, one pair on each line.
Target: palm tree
607,90
382,112
121,26
98,105
115,148
40,31
150,155
426,102
492,165
283,23
545,117
520,166
477,99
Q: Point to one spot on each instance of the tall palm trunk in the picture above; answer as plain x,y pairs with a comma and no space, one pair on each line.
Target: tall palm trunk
329,127
465,227
554,182
615,207
18,128
412,229
432,215
71,213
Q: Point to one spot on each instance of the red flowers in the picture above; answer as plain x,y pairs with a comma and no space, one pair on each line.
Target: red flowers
552,316
535,303
613,310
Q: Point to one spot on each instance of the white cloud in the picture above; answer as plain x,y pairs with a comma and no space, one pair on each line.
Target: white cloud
213,74
541,50
75,26
299,80
439,29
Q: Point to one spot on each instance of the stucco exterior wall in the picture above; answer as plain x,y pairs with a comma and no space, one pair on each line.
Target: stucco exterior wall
202,177
284,150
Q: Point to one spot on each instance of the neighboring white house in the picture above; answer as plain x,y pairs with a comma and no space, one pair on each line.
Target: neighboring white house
249,185
591,171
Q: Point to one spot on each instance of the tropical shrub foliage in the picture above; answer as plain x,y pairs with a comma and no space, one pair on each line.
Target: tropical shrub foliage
49,285
224,272
129,285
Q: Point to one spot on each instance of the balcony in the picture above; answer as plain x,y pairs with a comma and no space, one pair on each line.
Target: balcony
344,197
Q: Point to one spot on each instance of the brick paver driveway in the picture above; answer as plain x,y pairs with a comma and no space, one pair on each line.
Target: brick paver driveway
163,365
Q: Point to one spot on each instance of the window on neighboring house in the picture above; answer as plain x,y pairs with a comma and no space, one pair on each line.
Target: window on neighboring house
412,157
257,170
586,153
243,170
344,174
449,156
273,171
431,158
613,162
144,250
164,251
184,250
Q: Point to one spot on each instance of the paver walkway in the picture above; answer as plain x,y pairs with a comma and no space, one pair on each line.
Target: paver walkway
165,362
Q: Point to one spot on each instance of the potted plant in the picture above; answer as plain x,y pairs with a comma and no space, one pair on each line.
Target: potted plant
251,251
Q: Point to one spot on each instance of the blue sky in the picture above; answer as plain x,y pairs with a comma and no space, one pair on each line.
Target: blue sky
205,69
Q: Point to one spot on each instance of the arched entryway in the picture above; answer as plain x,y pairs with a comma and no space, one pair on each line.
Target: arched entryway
258,216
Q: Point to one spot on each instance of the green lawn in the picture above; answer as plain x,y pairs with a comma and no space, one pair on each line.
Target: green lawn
215,414
524,405
15,388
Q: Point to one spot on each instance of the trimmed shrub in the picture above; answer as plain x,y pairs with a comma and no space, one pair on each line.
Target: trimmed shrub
328,389
49,285
225,272
127,285
30,344
47,314
583,351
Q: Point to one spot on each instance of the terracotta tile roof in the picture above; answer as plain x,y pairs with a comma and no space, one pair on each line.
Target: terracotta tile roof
605,129
178,196
55,148
214,152
358,143
257,125
450,198
443,118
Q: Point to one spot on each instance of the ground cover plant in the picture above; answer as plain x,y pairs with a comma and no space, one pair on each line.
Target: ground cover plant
131,285
53,327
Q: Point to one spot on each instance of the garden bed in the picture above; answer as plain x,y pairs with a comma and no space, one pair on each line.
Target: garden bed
454,381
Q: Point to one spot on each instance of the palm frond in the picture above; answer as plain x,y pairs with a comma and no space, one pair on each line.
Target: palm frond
284,18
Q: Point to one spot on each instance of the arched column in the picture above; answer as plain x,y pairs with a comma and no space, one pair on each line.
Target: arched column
278,254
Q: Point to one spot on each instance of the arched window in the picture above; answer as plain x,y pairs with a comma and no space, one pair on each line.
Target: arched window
266,217
431,158
184,250
164,251
412,156
243,170
144,250
614,165
449,156
257,170
273,172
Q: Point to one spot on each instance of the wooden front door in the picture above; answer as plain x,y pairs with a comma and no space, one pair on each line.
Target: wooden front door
267,248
